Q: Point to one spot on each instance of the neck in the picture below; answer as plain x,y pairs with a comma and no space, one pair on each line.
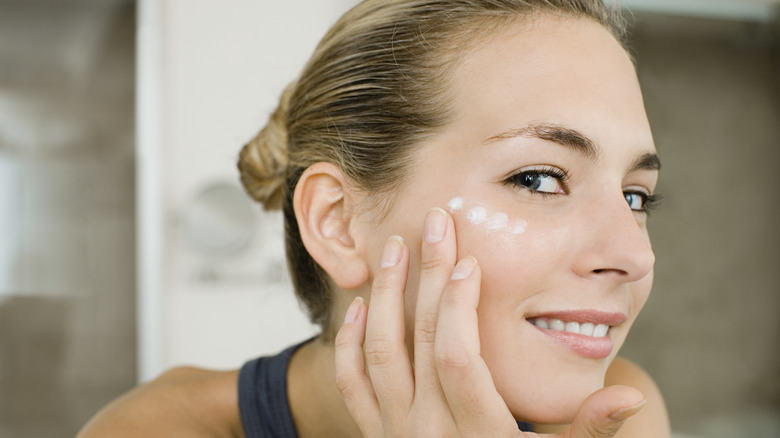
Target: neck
316,404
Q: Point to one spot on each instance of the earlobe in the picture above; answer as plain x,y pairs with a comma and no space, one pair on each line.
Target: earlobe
324,208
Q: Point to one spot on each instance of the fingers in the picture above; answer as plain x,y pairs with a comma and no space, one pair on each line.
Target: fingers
351,378
437,260
450,386
386,355
603,412
465,379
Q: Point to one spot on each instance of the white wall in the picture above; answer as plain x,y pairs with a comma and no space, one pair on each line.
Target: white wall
209,74
10,223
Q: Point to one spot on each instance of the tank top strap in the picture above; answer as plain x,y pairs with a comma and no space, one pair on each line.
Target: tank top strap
525,427
262,396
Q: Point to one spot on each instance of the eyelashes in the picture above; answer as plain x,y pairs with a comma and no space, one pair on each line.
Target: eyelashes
652,203
647,202
547,181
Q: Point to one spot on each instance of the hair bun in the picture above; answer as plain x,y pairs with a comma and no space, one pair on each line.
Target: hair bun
263,160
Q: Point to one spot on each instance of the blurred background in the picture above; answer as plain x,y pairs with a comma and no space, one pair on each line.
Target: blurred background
127,247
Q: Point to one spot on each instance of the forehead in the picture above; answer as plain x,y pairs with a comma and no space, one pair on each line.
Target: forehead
558,70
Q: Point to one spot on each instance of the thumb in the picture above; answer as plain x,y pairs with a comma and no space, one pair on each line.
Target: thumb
603,412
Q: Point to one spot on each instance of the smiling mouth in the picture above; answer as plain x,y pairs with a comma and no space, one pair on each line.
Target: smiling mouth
586,328
584,332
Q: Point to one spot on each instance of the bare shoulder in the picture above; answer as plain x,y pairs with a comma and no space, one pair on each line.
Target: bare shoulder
653,419
182,402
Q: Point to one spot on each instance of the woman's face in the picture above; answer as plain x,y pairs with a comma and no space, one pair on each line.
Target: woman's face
545,168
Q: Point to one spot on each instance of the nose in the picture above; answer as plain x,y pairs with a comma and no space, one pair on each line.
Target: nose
616,244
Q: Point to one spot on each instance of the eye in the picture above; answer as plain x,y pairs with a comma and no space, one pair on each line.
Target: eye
641,202
635,200
548,180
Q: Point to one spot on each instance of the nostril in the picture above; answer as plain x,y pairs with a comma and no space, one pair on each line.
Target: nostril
606,271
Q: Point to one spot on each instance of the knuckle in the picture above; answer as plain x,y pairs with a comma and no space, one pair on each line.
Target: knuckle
344,341
431,264
601,430
425,328
379,352
452,358
383,286
386,287
345,383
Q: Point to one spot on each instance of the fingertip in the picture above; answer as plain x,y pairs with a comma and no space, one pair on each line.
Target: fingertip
631,401
624,413
397,238
444,212
627,394
465,267
614,403
353,311
394,249
435,225
352,331
603,413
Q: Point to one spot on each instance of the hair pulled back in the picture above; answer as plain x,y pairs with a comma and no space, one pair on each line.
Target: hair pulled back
374,88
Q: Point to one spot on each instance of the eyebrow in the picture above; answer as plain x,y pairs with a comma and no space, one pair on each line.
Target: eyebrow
572,139
647,161
563,136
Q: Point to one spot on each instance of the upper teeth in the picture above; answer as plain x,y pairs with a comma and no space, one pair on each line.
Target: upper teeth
585,328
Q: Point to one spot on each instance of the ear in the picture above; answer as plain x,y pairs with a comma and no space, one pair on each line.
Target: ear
324,208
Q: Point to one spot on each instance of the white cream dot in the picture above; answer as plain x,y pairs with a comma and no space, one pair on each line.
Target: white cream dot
477,215
497,221
518,226
455,204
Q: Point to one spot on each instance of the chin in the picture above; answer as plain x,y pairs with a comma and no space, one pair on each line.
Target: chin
551,394
554,406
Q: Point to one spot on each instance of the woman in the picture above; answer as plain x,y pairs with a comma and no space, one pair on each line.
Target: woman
480,172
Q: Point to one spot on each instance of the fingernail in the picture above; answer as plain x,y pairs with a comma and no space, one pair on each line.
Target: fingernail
435,225
353,310
464,268
392,253
623,413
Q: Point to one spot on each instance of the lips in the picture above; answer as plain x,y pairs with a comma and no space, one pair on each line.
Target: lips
584,332
585,328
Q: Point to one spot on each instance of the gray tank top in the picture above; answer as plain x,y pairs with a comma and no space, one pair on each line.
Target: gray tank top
262,397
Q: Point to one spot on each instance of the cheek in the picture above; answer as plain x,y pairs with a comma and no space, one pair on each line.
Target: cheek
519,271
640,293
517,253
517,268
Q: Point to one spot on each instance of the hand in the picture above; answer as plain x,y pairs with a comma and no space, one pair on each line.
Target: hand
448,391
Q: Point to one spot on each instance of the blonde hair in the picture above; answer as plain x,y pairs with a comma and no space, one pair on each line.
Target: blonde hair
374,89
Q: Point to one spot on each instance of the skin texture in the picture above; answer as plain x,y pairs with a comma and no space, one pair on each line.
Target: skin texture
477,362
584,249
